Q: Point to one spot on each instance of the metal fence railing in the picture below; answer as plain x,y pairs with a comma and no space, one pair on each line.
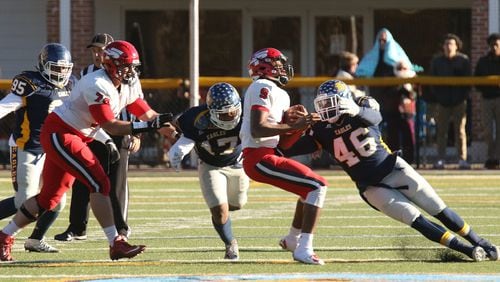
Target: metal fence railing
163,92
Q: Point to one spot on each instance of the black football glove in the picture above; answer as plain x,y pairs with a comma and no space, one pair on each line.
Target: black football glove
158,122
114,153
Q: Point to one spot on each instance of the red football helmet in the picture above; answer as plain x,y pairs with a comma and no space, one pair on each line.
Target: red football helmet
270,63
121,61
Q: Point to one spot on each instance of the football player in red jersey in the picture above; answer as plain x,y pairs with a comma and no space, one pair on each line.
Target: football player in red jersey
92,107
117,171
263,111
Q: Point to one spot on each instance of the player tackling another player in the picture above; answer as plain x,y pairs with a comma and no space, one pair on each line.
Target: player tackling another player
349,132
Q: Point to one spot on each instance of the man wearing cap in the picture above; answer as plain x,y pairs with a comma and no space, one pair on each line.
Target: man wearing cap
96,47
117,171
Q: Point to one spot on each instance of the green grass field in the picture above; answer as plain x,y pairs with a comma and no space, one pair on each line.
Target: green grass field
168,214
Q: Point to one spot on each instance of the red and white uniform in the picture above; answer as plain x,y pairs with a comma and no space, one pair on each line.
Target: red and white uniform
69,128
263,95
261,161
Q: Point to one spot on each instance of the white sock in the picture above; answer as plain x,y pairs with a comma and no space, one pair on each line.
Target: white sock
306,242
111,234
294,232
11,229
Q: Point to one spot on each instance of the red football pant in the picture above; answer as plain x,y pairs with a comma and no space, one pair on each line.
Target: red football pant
67,157
263,165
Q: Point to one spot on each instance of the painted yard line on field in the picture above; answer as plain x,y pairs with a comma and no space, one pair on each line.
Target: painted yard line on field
263,249
138,262
271,191
153,179
364,209
267,277
287,200
328,177
326,277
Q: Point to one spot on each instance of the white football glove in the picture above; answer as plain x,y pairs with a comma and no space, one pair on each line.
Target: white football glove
348,106
176,160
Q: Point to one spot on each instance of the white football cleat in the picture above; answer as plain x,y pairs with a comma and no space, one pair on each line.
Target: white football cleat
478,254
308,258
232,252
39,246
289,243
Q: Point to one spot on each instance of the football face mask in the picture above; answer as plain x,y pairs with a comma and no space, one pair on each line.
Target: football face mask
328,99
327,106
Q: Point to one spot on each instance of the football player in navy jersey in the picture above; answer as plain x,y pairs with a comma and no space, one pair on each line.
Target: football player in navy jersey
212,130
33,95
349,132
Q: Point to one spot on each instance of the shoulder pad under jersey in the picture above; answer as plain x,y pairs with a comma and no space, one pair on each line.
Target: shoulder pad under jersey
202,120
25,84
368,102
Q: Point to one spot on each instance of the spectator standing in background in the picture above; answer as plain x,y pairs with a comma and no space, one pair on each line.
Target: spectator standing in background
407,111
348,63
489,64
451,101
380,61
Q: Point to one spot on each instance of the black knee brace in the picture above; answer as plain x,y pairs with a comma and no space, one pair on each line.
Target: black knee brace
27,213
30,216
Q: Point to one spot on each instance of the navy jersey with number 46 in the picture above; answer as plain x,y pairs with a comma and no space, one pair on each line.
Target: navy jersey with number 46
356,146
214,146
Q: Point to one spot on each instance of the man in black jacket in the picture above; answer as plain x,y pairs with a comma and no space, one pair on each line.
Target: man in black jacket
451,101
489,64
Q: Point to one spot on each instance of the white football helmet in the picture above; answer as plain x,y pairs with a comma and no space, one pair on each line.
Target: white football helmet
224,104
326,102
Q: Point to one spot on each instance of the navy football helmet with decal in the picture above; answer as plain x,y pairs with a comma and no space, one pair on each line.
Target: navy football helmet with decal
326,102
121,61
270,63
55,65
224,105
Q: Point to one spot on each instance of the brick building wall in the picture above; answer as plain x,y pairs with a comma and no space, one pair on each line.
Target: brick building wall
82,29
479,33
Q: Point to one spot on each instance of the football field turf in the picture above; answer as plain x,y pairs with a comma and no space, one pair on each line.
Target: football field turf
168,214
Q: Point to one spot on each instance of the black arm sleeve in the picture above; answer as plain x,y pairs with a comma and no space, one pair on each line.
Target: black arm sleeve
305,145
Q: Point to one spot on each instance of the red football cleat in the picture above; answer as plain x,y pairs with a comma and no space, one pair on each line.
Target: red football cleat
122,249
6,243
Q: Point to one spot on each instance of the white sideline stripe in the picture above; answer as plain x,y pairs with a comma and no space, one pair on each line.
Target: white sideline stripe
450,175
261,248
102,262
153,179
283,276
